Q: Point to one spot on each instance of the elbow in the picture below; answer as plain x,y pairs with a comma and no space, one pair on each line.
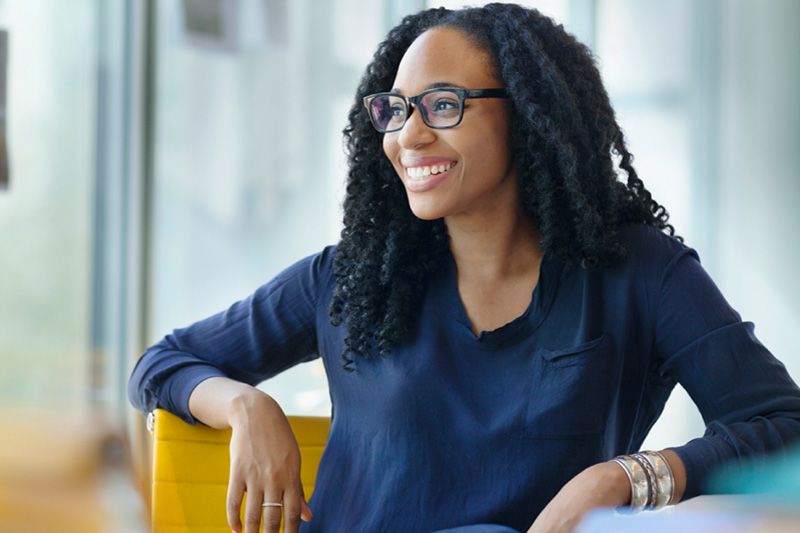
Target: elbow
139,395
141,388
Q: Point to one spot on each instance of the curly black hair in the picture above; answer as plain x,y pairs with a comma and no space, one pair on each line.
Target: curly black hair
566,141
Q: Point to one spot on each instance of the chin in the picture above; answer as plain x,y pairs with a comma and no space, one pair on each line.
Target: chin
426,212
426,216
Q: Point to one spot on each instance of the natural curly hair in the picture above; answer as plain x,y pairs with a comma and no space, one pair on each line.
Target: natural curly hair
565,141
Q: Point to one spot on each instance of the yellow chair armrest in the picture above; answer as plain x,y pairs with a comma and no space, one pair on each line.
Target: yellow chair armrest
191,465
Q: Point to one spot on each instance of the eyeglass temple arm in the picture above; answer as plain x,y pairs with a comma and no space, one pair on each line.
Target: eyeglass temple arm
487,93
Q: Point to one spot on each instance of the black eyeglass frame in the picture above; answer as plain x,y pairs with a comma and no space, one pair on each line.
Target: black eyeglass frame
413,102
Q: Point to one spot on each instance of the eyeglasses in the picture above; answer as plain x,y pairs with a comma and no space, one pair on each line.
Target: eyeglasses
441,108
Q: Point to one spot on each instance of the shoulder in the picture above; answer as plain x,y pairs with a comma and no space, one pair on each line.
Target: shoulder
312,273
644,239
652,254
319,263
650,250
322,261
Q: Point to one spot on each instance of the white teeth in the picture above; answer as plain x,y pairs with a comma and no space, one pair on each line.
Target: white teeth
423,172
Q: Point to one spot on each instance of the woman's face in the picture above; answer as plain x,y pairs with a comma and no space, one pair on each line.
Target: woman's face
482,176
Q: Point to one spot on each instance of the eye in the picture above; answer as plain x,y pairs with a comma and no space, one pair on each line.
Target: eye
444,104
396,110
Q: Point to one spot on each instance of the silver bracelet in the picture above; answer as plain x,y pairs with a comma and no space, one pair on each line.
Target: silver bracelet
664,478
638,479
652,488
651,478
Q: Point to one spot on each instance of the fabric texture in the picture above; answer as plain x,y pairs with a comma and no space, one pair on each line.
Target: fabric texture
453,429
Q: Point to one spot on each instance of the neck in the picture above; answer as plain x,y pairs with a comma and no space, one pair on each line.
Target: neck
494,245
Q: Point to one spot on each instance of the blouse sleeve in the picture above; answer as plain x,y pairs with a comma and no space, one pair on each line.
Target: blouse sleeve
748,401
254,339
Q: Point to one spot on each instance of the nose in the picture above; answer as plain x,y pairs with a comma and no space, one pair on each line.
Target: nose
415,132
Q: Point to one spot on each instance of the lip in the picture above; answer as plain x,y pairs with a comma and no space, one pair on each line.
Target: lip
422,185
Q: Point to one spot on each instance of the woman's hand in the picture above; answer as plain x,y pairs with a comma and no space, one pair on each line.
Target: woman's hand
600,485
265,463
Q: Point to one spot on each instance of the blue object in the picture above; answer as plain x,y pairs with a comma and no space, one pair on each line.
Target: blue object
606,520
453,429
479,528
775,479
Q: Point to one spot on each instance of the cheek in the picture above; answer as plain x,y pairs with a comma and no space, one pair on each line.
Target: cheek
497,138
487,148
497,149
489,158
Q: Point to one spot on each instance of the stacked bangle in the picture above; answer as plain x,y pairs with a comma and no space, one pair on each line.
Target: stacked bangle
652,483
638,480
664,478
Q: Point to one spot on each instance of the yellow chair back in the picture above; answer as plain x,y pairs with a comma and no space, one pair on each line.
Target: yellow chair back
191,465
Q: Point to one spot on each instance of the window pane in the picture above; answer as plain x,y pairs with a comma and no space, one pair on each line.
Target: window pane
46,213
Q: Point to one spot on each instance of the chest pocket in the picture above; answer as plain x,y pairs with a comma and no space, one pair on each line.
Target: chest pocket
571,390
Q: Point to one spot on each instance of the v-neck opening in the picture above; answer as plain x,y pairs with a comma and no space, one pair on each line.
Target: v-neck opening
526,323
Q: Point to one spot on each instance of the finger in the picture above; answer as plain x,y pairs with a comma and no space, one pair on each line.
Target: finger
305,510
233,504
272,515
252,511
292,499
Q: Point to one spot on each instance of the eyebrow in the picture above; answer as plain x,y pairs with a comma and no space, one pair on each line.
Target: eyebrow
434,85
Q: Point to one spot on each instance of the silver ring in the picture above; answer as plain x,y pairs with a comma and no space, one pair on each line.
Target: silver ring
271,504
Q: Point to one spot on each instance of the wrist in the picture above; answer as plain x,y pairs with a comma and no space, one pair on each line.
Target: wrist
679,474
619,486
246,404
650,477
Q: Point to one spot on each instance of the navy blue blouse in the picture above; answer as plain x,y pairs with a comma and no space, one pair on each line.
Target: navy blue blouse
453,429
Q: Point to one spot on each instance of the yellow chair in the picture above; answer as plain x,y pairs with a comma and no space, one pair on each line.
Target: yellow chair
190,471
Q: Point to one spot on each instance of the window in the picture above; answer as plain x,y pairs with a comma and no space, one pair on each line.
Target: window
46,213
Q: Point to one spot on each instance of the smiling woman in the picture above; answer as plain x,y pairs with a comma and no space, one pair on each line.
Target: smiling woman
502,320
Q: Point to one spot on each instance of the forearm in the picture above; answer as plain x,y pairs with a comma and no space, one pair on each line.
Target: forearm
219,402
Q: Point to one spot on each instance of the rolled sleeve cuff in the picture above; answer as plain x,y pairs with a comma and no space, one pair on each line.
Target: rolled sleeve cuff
699,459
181,385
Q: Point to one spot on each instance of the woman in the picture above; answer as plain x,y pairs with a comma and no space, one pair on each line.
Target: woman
501,319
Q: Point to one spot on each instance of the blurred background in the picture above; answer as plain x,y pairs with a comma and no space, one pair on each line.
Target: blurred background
162,159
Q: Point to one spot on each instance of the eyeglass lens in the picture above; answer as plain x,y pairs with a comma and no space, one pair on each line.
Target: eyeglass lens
439,109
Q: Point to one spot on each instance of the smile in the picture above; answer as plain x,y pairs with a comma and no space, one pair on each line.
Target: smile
421,172
425,177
